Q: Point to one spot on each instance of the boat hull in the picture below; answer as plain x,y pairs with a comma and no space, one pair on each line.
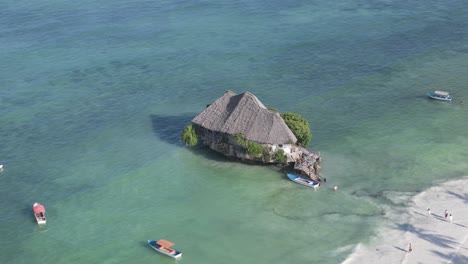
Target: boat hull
39,214
41,222
440,98
176,254
302,181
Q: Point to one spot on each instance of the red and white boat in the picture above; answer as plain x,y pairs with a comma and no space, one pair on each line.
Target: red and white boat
39,213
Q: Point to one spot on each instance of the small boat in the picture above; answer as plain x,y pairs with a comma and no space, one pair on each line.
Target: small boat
306,182
164,247
39,213
440,95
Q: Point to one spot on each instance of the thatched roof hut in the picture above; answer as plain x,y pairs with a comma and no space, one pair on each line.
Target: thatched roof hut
244,113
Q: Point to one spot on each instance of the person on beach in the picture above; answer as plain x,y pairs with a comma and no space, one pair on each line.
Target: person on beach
410,248
451,218
446,214
428,211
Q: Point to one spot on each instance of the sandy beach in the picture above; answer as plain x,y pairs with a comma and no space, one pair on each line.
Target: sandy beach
433,237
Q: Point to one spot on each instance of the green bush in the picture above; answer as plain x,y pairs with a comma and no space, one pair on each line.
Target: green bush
253,149
280,157
299,126
189,136
240,140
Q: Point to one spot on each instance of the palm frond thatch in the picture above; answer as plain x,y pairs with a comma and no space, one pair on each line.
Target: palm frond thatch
244,113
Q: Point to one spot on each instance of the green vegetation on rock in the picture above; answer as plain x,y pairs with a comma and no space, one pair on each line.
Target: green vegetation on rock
189,136
253,149
299,126
280,157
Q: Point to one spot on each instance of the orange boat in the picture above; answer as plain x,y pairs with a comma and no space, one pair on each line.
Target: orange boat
165,247
39,213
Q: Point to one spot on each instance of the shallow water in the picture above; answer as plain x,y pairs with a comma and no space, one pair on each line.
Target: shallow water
93,97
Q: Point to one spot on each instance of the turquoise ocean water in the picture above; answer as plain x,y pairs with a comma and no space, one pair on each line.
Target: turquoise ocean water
94,94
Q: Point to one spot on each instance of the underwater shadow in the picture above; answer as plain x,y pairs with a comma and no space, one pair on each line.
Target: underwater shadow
144,244
169,128
210,154
27,211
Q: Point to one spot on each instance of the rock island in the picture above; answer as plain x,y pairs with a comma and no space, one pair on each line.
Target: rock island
240,126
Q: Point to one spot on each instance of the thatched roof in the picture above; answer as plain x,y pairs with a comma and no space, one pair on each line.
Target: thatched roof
244,113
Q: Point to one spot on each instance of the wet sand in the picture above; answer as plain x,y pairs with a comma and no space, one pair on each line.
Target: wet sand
434,238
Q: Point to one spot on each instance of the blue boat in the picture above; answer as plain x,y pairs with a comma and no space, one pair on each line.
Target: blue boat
306,182
440,95
164,246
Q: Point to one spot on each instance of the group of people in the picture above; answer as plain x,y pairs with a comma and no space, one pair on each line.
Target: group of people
335,188
446,215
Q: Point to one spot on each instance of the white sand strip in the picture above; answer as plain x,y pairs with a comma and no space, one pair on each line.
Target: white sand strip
433,237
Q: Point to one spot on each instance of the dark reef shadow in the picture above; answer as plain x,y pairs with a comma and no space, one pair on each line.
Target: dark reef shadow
294,218
27,211
210,154
169,128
